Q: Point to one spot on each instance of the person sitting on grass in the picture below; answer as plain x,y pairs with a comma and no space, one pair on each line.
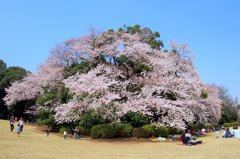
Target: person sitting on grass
188,140
224,131
236,132
218,134
183,138
227,133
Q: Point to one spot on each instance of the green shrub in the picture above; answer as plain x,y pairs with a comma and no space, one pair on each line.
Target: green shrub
230,124
149,129
234,124
82,130
139,133
213,125
135,119
173,131
160,131
123,130
65,128
106,131
227,125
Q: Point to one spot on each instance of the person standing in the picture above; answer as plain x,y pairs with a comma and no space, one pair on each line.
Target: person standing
65,134
47,131
18,130
21,124
75,134
11,124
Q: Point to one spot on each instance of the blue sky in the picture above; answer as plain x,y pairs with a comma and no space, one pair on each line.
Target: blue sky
29,29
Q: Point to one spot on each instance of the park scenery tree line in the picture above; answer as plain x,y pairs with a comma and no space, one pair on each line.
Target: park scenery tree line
116,83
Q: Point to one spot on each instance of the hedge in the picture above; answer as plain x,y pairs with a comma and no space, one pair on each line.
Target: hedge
123,130
140,133
160,131
106,131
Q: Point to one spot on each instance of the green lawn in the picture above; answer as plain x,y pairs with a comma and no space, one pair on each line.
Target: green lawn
33,144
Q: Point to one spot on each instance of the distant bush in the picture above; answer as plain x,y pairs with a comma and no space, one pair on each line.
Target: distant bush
160,131
65,128
149,129
234,124
139,133
216,125
106,131
82,130
173,131
227,125
123,130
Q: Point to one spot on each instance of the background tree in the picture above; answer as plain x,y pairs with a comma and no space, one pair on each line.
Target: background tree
3,65
3,108
7,76
230,111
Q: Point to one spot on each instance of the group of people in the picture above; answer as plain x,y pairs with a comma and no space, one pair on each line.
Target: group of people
187,138
227,133
75,134
19,128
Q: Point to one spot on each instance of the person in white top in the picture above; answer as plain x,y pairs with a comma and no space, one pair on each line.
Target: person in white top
218,134
236,132
223,133
20,122
65,134
232,131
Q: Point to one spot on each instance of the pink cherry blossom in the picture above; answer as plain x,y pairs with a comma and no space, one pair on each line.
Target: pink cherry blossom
170,89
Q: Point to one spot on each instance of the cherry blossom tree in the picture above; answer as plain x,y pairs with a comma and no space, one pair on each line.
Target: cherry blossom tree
166,87
127,73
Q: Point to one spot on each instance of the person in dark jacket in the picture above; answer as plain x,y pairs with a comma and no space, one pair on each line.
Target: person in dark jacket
227,133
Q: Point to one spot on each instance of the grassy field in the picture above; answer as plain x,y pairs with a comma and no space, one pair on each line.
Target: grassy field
33,144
